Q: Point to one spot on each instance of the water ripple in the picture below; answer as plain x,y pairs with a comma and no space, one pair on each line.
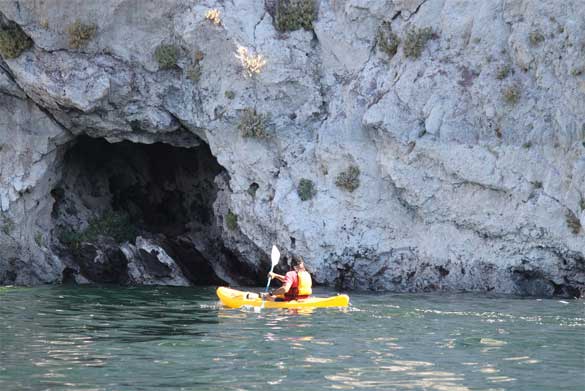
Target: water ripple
104,338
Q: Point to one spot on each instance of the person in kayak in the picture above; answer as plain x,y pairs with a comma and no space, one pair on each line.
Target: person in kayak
296,284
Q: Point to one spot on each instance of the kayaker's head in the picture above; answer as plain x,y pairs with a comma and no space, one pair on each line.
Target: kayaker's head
297,263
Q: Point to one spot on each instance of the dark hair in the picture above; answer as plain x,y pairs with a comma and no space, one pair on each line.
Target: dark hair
296,261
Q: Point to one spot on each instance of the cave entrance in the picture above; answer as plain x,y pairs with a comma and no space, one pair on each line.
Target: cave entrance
142,214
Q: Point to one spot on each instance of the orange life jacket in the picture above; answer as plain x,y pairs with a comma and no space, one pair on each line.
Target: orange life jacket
303,288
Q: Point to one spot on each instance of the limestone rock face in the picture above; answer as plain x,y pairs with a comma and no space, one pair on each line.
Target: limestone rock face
149,264
469,139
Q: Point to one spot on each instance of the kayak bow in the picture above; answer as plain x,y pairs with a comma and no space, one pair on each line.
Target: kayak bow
233,298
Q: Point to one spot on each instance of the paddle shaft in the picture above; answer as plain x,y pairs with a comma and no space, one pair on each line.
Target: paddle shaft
274,258
269,279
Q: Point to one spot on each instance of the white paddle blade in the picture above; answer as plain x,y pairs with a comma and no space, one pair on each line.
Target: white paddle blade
275,256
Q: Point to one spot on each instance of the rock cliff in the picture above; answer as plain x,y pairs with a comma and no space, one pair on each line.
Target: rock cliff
395,144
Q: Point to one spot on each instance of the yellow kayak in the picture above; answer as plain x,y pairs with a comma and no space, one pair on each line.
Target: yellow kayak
235,299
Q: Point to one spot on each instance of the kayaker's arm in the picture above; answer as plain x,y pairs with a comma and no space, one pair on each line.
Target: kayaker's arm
278,277
282,290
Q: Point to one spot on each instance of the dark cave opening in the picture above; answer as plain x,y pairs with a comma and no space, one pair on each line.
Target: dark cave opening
132,213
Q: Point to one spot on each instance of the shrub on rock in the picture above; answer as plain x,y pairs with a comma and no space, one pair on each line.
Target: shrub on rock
194,73
535,38
306,189
194,70
214,16
511,94
7,225
167,56
231,220
503,72
13,41
349,179
573,222
253,188
252,64
292,15
111,224
416,40
80,34
387,40
198,56
253,124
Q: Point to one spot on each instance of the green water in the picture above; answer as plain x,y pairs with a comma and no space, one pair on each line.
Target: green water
91,338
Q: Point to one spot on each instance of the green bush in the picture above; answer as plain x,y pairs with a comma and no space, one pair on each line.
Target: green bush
292,15
167,56
13,41
511,94
80,34
349,179
416,40
230,94
573,222
253,124
582,203
386,39
112,224
231,220
306,189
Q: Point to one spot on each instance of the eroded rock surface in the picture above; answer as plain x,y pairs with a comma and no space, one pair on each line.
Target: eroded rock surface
469,137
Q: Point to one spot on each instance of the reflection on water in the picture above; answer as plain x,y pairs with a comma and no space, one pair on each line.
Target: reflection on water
156,338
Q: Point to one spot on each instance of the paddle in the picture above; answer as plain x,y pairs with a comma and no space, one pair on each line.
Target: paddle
275,257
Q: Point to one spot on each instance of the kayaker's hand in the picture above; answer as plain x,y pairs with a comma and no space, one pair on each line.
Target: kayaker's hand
271,275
